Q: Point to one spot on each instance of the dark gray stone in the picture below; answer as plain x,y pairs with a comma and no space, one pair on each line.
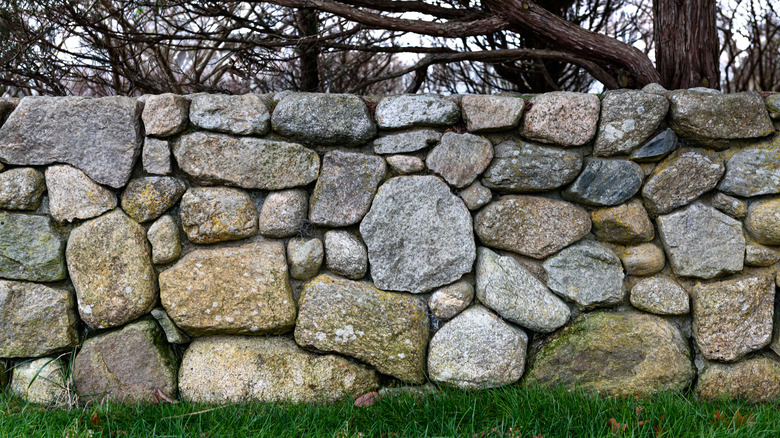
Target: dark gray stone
606,182
520,166
324,119
657,148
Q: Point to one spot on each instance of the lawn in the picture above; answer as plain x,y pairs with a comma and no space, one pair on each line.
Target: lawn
506,412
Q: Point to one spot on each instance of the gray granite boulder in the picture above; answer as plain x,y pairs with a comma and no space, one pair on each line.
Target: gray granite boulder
485,113
460,158
40,381
753,171
345,188
509,289
419,235
165,114
660,295
657,148
628,117
763,221
605,182
345,254
163,235
679,180
448,301
386,330
702,242
30,248
21,189
588,273
217,214
756,380
241,114
520,166
406,141
101,136
527,225
73,195
305,257
283,213
409,110
156,156
561,117
148,198
477,350
475,196
251,163
324,119
626,223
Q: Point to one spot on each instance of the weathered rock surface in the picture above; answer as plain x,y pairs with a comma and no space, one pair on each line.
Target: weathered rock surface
733,207
251,163
734,317
657,148
173,334
148,198
405,164
109,261
475,196
772,103
485,113
330,119
35,320
617,354
73,195
386,330
477,350
605,182
679,180
628,117
520,166
165,114
419,235
460,158
345,188
240,369
40,381
754,171
707,119
660,295
644,259
163,235
760,255
345,254
126,365
239,290
406,141
702,242
408,110
101,136
449,301
763,221
588,273
283,213
241,115
562,117
536,227
627,223
30,248
21,189
508,288
156,156
305,257
756,380
217,214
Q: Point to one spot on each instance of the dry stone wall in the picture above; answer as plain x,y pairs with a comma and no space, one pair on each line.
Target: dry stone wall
309,246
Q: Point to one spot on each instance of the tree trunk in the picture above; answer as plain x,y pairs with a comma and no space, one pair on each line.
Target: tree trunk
308,53
686,43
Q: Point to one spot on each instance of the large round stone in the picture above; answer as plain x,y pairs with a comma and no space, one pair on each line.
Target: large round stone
217,214
324,119
520,166
763,221
419,235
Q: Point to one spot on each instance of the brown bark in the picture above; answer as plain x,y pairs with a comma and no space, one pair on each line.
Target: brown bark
686,43
308,52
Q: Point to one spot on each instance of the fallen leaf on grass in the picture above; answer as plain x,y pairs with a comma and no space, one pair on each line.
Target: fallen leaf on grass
616,427
740,420
659,429
639,409
95,420
367,399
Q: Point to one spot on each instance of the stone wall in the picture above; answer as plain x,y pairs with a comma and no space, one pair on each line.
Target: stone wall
307,246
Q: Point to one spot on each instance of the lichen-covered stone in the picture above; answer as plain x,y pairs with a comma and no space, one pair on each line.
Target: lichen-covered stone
305,257
763,221
760,255
35,320
40,381
217,214
324,119
241,114
102,137
345,188
509,289
30,248
477,350
772,103
702,242
242,369
126,365
345,254
147,198
520,166
419,235
283,213
733,207
679,180
660,295
109,261
732,318
561,117
73,195
754,171
21,189
605,182
251,163
408,110
173,334
536,227
756,380
657,148
475,196
163,235
628,117
386,330
449,301
405,164
627,223
485,113
165,114
588,273
238,290
618,354
460,158
406,141
644,259
156,156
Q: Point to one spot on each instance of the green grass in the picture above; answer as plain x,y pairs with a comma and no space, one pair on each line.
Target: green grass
506,412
